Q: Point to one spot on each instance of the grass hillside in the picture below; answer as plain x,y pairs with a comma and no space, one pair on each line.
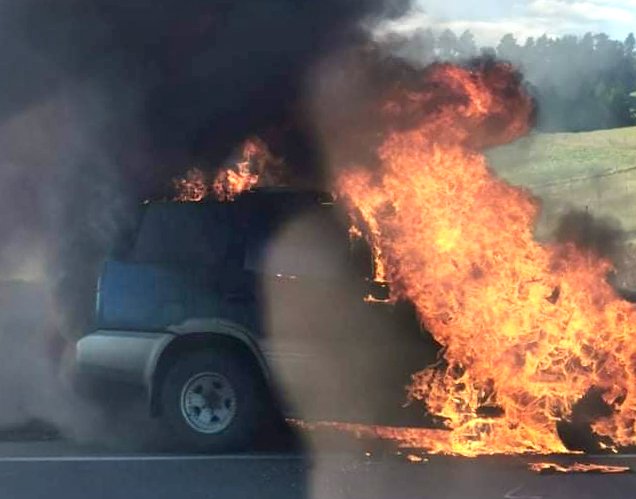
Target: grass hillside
591,171
541,159
588,171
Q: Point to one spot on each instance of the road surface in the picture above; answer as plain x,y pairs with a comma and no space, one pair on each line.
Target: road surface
60,469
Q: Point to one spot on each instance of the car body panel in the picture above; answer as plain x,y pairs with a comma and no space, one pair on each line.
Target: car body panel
124,355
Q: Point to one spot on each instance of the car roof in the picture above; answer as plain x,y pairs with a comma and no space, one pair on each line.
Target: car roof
259,196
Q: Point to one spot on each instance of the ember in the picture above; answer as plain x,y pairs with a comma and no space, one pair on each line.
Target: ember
192,187
527,328
577,468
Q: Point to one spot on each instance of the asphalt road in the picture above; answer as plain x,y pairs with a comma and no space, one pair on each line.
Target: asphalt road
60,469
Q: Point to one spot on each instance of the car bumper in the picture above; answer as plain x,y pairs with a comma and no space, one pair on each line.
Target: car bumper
121,356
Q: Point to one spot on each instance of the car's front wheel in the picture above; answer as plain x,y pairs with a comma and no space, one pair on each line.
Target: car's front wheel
212,400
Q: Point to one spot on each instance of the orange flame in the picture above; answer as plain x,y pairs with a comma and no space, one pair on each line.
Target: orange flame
192,187
245,174
527,329
577,468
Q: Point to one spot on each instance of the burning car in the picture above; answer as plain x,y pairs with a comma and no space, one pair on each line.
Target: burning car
213,306
221,311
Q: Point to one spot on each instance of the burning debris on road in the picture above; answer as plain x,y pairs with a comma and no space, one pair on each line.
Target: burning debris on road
545,468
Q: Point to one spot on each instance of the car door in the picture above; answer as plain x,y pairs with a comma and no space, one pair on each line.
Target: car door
334,355
298,253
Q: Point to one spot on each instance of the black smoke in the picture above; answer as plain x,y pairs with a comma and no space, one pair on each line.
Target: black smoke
192,77
603,237
104,101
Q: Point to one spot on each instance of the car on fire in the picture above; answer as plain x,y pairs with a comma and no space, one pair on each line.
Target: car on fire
224,314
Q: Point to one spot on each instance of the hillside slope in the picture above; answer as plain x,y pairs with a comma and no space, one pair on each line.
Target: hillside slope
593,172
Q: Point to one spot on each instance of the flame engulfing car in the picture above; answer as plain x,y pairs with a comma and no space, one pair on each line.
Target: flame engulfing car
218,309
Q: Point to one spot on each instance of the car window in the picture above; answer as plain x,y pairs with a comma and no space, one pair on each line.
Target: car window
183,233
310,243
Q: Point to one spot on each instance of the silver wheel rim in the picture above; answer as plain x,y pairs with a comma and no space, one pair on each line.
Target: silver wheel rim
208,402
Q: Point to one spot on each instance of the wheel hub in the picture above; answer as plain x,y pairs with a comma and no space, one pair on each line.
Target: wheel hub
208,402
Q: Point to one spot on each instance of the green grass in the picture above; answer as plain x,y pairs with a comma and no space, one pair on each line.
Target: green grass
541,159
591,171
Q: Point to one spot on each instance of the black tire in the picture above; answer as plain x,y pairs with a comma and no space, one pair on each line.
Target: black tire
248,390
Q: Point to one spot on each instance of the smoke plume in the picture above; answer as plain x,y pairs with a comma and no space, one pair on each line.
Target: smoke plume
104,102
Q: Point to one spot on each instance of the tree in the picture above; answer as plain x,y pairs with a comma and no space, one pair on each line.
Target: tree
424,45
579,83
629,44
448,45
508,48
466,45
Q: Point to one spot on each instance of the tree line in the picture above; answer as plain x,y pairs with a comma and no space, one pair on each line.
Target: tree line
579,82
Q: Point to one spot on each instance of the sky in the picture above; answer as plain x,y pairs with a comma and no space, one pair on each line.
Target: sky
490,19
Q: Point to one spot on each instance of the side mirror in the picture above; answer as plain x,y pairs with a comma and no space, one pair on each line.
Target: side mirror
378,292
